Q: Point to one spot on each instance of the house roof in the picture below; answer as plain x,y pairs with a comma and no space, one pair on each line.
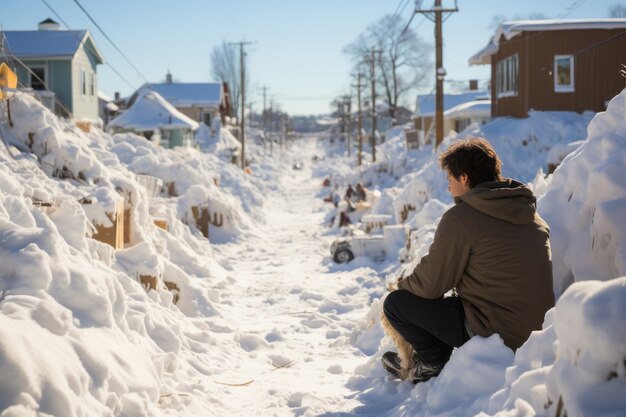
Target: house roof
150,112
513,28
108,101
189,94
426,102
29,44
476,108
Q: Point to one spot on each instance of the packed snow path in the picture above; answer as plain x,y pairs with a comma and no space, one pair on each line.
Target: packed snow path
291,315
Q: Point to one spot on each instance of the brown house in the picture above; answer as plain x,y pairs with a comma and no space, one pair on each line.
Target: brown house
547,65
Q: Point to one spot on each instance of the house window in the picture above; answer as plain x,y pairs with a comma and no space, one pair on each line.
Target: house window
38,78
205,117
83,83
462,124
92,84
563,73
507,76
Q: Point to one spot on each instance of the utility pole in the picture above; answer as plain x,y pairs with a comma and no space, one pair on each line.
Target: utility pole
264,88
373,75
278,127
360,118
347,105
438,15
340,116
242,75
271,117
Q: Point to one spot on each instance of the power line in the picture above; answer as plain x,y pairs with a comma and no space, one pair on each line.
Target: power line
406,2
303,98
91,48
110,40
395,14
569,9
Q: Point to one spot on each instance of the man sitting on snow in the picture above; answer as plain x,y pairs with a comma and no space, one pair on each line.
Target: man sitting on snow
491,249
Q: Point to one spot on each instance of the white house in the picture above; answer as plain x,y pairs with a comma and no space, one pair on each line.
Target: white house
460,110
157,120
201,102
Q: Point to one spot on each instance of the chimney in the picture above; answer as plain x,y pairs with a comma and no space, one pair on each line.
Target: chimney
48,24
473,85
117,95
168,77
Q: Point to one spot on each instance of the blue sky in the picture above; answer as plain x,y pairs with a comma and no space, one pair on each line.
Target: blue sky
297,50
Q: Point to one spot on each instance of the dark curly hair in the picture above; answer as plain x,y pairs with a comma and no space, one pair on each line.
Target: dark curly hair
474,157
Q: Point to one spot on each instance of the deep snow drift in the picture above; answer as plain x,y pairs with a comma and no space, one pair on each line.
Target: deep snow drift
266,323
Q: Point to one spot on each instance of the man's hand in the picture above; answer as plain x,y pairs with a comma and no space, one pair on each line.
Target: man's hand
392,286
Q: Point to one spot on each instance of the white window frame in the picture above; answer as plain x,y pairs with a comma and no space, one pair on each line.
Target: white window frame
45,76
507,76
564,88
92,84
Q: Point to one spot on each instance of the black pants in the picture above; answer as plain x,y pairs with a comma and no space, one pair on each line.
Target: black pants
432,327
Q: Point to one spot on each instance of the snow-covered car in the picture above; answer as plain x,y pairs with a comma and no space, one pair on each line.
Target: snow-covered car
344,250
374,246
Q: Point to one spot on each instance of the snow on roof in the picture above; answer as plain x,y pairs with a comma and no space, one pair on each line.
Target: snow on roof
48,43
426,102
110,105
476,108
513,28
151,111
104,97
189,94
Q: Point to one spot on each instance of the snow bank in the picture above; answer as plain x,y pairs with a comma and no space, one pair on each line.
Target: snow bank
576,364
523,145
82,332
585,202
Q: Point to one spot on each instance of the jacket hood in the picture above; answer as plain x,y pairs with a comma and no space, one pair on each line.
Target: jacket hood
507,200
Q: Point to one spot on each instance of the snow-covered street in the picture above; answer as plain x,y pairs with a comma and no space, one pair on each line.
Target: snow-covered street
248,314
290,310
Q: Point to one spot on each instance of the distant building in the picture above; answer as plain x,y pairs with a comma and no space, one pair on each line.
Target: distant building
563,65
60,65
107,109
201,102
157,120
459,111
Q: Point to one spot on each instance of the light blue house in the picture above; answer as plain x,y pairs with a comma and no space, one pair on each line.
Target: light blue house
61,68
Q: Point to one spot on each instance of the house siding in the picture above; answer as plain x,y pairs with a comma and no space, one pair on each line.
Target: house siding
85,105
57,80
195,113
596,70
62,83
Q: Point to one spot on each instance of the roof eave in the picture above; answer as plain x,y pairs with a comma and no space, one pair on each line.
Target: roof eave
483,57
29,57
98,54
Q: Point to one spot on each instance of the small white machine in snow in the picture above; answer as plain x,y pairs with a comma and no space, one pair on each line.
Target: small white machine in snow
375,246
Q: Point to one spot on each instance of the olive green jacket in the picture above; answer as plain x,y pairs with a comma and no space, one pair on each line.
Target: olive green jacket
494,249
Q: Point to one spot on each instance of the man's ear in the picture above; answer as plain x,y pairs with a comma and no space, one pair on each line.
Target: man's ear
464,179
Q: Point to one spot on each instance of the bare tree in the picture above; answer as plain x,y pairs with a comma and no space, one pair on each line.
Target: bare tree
404,63
617,10
225,68
498,19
